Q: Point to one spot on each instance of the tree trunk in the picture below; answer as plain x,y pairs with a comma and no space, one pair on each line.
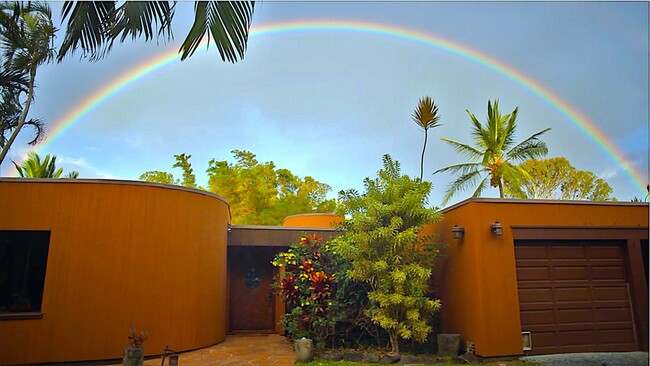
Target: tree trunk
422,159
394,341
23,116
500,188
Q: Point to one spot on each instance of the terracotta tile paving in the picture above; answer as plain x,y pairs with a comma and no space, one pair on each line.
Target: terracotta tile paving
249,349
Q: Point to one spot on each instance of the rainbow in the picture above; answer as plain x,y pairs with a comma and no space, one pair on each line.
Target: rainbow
81,110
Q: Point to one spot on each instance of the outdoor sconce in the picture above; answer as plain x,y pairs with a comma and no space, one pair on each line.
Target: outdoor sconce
497,228
458,232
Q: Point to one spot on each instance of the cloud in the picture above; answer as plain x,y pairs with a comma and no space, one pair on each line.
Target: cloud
85,169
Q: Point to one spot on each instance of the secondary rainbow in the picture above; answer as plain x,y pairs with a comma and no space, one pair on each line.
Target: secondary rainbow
77,114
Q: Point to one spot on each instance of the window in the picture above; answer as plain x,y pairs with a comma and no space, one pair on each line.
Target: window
23,258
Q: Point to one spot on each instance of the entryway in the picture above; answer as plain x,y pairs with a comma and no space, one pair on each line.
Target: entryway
251,300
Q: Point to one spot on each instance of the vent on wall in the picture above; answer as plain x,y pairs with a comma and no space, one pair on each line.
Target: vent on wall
527,341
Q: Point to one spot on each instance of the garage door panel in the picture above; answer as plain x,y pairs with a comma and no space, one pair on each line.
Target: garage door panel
575,316
569,273
574,297
537,317
563,252
572,294
531,252
615,336
608,273
576,337
534,273
612,315
606,251
610,293
535,295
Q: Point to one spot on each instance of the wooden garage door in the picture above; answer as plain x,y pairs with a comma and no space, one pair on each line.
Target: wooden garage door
574,296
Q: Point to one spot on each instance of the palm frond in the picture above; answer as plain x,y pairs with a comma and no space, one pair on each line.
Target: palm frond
227,22
530,148
464,149
88,27
136,18
425,114
460,184
463,168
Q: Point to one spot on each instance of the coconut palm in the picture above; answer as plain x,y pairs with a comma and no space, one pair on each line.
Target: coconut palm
426,116
33,167
94,26
493,154
26,41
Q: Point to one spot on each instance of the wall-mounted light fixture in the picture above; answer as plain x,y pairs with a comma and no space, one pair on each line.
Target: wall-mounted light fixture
458,232
497,228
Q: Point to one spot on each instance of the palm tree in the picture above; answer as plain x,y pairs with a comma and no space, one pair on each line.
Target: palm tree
26,38
493,154
94,26
33,167
426,116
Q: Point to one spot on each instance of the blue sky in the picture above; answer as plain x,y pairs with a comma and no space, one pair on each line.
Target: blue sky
329,104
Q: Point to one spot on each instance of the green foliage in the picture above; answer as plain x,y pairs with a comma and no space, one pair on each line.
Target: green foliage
383,242
307,281
94,26
33,167
156,176
26,42
261,194
183,162
556,178
494,154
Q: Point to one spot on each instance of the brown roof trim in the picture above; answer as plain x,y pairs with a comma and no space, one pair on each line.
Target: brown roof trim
541,202
285,228
113,182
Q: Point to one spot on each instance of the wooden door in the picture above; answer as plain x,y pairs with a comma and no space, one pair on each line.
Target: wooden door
573,296
251,303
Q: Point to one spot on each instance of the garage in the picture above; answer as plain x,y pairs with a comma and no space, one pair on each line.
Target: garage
574,295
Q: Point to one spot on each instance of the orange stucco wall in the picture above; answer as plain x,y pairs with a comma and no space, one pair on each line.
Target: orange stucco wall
120,253
477,279
312,220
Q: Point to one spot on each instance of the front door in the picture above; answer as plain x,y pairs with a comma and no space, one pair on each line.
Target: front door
251,305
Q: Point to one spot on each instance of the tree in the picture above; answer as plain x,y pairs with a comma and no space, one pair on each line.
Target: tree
157,176
425,116
183,162
260,194
493,154
27,38
95,26
382,240
33,167
556,178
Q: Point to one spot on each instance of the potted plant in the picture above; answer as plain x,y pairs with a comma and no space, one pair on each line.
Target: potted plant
134,353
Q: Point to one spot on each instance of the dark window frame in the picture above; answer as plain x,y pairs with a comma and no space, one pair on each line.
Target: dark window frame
23,267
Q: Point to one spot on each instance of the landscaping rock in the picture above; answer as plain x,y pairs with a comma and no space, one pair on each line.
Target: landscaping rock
331,356
470,358
370,358
419,359
389,359
448,345
353,356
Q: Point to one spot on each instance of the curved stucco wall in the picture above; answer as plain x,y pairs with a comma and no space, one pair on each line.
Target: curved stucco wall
314,220
120,253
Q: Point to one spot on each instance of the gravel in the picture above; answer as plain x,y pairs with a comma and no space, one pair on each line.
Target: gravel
592,359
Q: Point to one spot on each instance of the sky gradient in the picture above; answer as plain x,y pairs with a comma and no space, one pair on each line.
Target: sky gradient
329,102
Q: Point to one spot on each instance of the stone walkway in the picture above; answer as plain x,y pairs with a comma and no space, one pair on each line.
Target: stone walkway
249,349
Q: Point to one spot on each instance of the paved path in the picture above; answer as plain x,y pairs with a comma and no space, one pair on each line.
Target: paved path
592,359
250,349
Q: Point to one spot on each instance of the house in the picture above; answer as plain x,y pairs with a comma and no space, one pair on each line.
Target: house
82,261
